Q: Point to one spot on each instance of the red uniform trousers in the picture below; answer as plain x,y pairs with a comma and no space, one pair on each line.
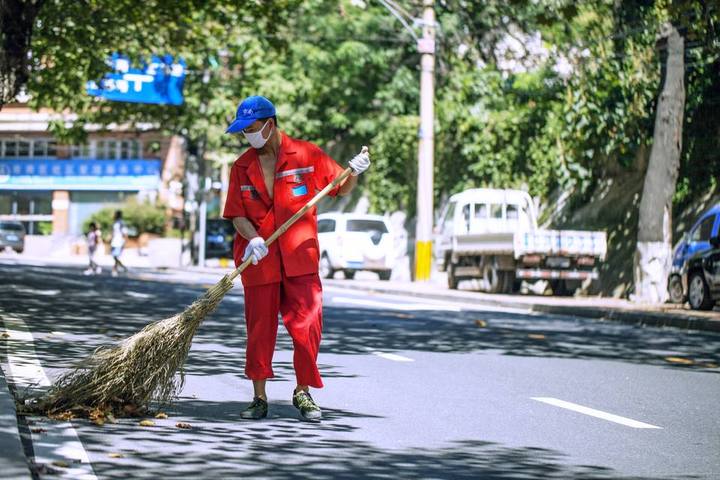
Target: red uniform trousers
299,300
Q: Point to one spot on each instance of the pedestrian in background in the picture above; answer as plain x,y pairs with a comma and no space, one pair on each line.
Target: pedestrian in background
268,184
117,242
93,240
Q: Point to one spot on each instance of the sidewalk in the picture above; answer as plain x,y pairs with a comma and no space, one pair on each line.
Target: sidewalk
13,463
661,315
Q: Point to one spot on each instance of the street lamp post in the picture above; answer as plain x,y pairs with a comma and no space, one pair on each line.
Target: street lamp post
424,225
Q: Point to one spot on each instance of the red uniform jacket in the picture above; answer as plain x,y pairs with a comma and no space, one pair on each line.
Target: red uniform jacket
301,170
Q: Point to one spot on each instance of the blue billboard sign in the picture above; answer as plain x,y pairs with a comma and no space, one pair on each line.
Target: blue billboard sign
77,174
159,82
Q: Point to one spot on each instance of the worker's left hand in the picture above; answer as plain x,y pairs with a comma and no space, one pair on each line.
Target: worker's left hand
360,162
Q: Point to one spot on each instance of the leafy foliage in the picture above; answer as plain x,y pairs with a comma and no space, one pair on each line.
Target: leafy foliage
140,217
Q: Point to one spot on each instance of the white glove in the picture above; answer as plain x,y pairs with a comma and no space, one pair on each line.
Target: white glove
360,162
257,249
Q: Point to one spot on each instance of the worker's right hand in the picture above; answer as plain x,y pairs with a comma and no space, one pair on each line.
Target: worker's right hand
257,249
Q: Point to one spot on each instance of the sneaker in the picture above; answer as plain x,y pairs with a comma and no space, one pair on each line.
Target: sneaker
98,270
89,271
114,273
256,410
307,406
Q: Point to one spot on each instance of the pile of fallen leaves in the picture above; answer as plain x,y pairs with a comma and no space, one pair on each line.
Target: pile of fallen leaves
107,413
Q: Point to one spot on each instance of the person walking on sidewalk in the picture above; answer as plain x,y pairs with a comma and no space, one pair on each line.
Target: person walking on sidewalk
268,184
117,242
93,240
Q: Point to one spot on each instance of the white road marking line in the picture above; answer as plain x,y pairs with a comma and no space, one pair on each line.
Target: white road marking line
628,422
406,307
137,294
392,356
60,442
461,303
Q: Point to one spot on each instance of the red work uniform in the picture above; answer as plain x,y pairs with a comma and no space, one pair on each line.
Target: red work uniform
286,280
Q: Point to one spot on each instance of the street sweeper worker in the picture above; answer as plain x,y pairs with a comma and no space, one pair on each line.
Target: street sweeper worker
269,183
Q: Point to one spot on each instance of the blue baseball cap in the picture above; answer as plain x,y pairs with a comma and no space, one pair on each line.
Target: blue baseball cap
251,109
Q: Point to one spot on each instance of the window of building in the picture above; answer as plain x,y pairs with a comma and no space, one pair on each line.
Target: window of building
26,148
10,148
81,151
129,149
23,148
111,150
496,210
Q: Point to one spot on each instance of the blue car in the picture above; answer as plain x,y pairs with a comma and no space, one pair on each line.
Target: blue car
695,242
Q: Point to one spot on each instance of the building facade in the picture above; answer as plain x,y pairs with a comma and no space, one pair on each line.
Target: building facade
53,188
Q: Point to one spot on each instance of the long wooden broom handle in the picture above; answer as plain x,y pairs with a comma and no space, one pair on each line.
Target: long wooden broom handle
283,228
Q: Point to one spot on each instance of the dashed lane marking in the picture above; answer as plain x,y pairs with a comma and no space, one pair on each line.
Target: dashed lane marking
628,422
393,357
406,307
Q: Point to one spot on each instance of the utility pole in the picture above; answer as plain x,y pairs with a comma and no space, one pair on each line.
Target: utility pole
424,226
204,180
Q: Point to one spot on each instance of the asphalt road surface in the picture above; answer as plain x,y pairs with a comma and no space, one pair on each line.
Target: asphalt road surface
414,389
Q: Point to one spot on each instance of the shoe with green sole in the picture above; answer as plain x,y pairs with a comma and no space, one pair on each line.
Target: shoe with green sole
307,406
256,410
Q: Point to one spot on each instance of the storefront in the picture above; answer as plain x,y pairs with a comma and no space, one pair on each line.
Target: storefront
53,188
65,192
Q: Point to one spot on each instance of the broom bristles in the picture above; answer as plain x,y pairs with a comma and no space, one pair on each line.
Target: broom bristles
140,369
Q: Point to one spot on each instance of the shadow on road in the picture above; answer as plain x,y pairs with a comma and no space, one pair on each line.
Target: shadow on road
90,311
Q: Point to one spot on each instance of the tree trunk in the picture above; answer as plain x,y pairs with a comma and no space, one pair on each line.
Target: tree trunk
17,18
653,254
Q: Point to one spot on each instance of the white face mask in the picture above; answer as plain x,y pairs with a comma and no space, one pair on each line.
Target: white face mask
256,139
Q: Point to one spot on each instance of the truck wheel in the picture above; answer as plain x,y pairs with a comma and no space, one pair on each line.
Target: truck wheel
385,275
326,270
451,278
349,274
698,292
675,289
493,279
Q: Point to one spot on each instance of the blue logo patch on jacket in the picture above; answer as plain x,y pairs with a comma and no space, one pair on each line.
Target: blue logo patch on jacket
299,190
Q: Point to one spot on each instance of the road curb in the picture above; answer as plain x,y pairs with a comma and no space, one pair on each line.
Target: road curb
14,462
648,318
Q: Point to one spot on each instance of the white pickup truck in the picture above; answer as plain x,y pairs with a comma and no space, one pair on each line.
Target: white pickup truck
493,235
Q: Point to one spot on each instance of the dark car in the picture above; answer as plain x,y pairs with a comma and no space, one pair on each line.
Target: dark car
695,242
219,238
12,234
703,277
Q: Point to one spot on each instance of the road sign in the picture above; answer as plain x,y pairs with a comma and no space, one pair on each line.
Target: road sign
159,82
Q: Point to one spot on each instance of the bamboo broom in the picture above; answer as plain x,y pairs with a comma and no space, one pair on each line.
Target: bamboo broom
142,368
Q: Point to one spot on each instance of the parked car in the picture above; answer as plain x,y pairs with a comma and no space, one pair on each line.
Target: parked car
354,242
12,234
703,277
492,235
695,242
219,238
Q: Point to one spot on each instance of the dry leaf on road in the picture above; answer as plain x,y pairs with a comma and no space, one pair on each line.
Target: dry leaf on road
161,415
116,455
683,361
147,423
186,426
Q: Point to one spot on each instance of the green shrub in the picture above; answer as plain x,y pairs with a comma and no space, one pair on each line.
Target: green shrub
138,217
